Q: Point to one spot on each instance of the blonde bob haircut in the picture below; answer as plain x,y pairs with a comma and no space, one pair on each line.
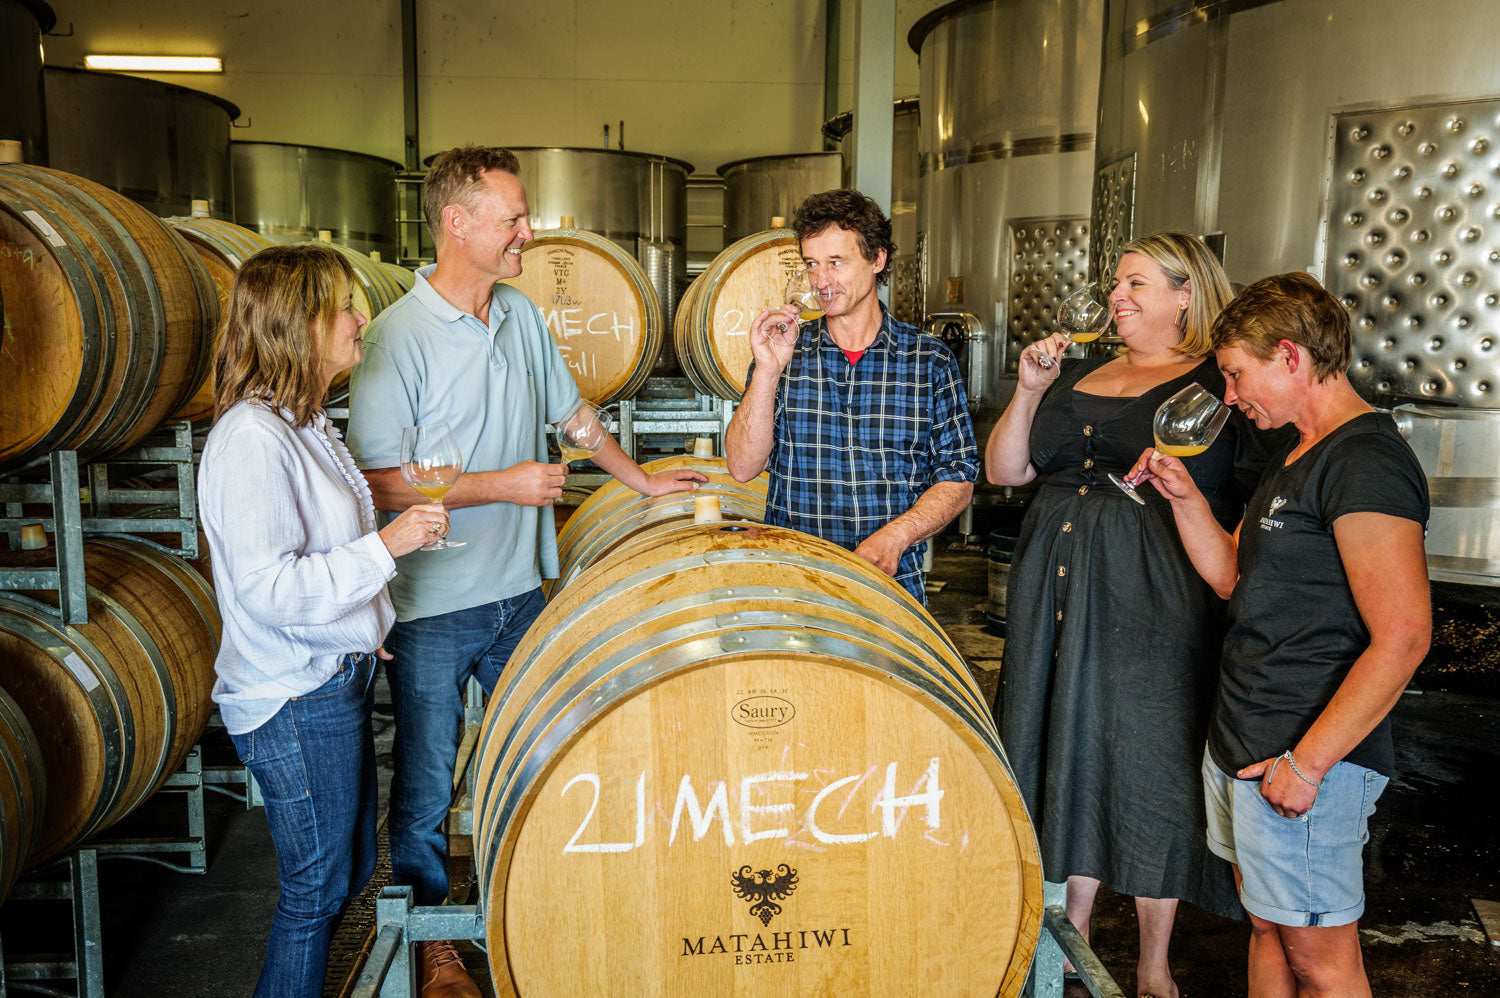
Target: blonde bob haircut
270,345
1185,258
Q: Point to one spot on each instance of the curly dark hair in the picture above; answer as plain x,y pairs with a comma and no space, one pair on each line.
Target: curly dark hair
851,210
454,178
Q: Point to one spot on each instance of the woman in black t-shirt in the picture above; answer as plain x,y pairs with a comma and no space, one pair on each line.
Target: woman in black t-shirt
1329,617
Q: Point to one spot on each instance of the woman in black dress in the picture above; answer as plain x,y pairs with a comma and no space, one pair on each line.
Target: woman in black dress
1113,640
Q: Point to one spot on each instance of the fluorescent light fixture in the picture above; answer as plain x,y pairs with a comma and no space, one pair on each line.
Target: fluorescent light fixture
156,63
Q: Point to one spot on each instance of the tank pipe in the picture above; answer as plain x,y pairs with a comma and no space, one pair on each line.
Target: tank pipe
409,84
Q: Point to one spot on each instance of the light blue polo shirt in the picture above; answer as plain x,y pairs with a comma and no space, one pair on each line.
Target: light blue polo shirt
497,387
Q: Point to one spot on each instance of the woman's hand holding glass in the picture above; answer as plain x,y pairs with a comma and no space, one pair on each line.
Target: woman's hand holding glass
1036,375
1084,316
414,527
1185,425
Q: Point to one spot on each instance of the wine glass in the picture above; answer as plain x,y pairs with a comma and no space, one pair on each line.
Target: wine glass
431,463
800,293
583,433
1084,316
1185,426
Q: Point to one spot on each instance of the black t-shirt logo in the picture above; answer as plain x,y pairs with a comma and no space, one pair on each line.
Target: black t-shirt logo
1266,523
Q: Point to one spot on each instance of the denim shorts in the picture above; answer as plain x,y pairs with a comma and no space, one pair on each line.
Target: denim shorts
1306,870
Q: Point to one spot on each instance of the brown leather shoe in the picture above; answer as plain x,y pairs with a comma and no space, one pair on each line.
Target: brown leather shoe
443,973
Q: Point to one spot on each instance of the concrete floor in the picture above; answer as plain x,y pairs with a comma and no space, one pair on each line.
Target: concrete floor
1434,847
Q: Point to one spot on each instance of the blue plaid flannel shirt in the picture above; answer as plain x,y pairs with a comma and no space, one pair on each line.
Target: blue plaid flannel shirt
855,446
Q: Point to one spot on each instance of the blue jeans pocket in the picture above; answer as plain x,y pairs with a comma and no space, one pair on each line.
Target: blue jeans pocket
244,746
273,753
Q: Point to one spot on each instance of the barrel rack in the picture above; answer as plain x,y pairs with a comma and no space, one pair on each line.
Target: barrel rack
169,454
73,878
391,972
667,407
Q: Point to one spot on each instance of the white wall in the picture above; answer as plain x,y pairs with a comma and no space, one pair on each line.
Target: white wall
708,81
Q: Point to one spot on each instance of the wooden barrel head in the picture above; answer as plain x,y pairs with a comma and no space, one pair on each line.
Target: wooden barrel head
777,825
744,280
599,307
762,768
42,340
23,791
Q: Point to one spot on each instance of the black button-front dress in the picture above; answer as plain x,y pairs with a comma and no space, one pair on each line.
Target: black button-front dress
1112,654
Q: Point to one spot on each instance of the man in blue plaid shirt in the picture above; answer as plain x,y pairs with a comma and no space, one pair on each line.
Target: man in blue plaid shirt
862,420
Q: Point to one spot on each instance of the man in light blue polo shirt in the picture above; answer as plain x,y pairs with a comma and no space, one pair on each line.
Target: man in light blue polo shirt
463,350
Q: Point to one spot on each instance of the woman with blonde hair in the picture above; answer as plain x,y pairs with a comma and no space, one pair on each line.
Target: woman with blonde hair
300,572
1112,640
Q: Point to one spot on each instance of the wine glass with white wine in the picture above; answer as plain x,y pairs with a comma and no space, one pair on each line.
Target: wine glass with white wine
431,463
1185,425
583,433
1084,316
801,295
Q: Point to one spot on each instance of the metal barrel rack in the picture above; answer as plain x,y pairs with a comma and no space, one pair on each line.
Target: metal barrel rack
75,511
73,878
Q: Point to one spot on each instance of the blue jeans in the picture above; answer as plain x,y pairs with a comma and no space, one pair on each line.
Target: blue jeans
435,656
315,763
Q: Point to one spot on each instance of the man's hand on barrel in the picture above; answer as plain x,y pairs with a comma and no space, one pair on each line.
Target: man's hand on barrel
660,483
883,549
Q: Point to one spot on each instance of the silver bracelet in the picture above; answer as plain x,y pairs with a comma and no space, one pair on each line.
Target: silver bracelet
1287,755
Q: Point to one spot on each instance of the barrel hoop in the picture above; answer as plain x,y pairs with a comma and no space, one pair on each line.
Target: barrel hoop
31,753
143,377
208,311
12,824
107,697
159,667
87,282
584,702
16,735
15,719
608,492
604,535
667,568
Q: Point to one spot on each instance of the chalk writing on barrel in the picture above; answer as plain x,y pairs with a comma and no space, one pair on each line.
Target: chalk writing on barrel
762,816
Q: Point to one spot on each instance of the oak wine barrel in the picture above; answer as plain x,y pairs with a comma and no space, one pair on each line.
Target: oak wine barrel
736,759
23,792
404,278
712,330
117,703
106,310
223,247
616,514
599,306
